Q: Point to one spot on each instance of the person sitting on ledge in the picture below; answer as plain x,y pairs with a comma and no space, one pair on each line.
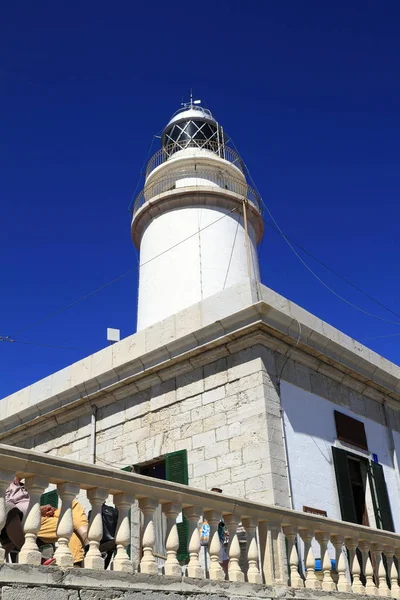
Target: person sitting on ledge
17,503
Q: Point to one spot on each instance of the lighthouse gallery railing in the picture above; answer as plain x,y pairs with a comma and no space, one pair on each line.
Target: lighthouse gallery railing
217,148
216,178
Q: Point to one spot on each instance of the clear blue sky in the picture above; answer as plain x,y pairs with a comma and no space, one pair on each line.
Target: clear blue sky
309,91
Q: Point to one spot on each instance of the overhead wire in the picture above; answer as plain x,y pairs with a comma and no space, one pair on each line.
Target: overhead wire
109,283
311,271
328,268
12,341
233,247
274,225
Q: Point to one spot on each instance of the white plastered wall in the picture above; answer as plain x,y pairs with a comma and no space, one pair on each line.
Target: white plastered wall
310,433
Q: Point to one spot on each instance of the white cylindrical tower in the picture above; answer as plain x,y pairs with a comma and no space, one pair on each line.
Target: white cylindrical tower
191,218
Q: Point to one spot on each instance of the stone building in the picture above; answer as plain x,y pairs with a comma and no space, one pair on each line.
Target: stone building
225,383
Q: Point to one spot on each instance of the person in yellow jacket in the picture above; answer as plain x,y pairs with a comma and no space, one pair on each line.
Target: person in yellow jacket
48,530
12,535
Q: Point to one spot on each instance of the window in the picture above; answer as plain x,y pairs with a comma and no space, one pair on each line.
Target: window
352,473
172,468
350,430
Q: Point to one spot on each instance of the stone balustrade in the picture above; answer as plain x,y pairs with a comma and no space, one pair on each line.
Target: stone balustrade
282,545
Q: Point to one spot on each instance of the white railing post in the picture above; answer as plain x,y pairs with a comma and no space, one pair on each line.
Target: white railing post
343,585
296,581
65,527
122,561
148,563
370,587
216,572
93,558
6,477
357,585
235,573
311,578
172,566
253,573
273,553
29,553
328,585
194,568
394,574
383,588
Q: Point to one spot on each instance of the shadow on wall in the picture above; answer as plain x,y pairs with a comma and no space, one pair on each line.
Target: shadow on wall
312,416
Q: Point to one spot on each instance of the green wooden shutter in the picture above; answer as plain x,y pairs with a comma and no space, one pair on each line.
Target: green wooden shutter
49,498
176,470
345,493
380,497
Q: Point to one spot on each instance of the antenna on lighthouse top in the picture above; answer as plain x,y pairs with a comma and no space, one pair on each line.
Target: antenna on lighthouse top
191,102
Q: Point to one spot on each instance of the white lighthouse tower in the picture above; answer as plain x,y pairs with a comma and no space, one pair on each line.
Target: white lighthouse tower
197,222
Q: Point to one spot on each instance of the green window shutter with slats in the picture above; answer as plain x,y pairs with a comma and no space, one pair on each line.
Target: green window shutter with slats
345,493
380,497
49,498
176,470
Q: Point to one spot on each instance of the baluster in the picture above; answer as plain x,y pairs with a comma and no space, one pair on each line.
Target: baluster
172,566
6,478
194,568
328,585
148,563
370,587
122,562
235,573
93,558
296,581
383,589
253,573
311,578
65,527
394,575
216,572
357,585
29,553
376,561
343,584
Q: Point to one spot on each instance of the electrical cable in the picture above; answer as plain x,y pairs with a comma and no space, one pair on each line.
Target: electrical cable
275,226
380,337
12,341
321,281
187,238
233,247
102,287
328,268
303,262
60,310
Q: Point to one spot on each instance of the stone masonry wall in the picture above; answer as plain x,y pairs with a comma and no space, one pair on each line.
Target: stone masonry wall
226,414
217,412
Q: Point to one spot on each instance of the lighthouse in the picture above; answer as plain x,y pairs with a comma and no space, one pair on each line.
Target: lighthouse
197,222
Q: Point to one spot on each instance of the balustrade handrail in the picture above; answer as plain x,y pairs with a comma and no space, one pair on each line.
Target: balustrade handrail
221,179
222,150
26,463
367,567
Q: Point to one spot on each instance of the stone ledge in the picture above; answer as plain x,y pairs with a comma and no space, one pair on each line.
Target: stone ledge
23,582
